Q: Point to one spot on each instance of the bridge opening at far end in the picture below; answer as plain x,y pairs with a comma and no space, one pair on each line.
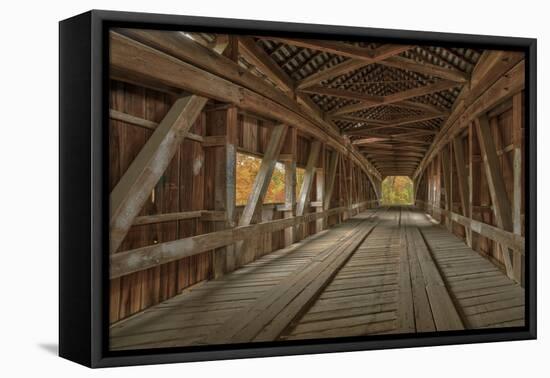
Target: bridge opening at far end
397,190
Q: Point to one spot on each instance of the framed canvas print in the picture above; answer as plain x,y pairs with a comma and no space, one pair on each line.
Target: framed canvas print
233,188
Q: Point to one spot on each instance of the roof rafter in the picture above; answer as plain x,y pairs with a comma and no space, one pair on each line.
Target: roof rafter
381,153
400,122
426,68
259,58
378,55
198,70
396,137
342,93
438,86
344,49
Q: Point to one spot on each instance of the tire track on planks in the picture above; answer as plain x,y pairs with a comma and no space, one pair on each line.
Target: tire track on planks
268,317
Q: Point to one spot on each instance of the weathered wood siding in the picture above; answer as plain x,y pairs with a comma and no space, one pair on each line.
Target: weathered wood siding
191,182
430,192
180,189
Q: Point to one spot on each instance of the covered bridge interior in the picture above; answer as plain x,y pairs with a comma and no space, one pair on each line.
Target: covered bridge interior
191,265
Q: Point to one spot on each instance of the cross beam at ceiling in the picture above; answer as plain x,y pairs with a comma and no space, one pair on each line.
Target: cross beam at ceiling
360,57
438,86
397,123
344,49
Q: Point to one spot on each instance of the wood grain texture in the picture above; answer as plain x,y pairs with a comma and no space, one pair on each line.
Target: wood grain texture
380,272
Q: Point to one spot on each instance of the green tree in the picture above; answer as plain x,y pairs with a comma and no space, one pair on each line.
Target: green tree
397,190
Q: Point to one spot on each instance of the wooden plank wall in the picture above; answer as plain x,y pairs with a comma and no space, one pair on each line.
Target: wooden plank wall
188,184
431,194
180,189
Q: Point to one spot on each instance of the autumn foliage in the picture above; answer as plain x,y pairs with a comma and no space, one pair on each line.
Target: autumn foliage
397,190
247,169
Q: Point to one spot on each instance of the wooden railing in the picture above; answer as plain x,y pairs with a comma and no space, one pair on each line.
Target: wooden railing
138,259
507,239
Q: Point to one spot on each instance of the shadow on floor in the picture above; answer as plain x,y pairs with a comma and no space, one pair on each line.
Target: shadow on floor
51,348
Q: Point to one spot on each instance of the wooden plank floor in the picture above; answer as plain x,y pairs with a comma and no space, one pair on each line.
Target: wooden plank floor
484,295
384,271
194,315
363,296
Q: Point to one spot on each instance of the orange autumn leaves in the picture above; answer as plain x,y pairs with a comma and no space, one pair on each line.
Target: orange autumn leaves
397,190
247,169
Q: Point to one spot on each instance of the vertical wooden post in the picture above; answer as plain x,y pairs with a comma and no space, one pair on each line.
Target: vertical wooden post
431,187
331,177
451,190
495,181
350,187
346,170
309,175
517,165
221,179
341,188
462,176
415,189
289,148
473,236
320,188
446,168
437,187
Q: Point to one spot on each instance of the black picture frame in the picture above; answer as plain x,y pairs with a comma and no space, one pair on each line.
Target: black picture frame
84,195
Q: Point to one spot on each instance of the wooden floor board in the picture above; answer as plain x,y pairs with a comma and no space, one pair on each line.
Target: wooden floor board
482,292
380,272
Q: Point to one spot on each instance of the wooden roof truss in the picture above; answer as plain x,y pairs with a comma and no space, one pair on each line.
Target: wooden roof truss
387,98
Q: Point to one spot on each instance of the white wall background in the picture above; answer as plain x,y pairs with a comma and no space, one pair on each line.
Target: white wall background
29,186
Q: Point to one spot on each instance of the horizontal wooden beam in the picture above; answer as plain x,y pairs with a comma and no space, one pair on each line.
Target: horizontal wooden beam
217,77
359,120
392,147
341,93
123,263
203,215
332,47
426,68
427,108
132,120
506,238
396,164
365,130
141,122
398,137
378,153
438,86
177,46
334,71
134,187
369,140
378,54
379,160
